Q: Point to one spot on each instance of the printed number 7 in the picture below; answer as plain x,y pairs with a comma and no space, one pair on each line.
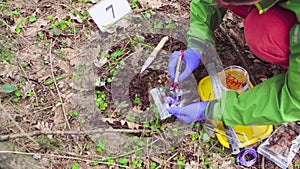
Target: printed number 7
112,10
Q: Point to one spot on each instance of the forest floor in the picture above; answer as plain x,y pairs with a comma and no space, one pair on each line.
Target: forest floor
72,96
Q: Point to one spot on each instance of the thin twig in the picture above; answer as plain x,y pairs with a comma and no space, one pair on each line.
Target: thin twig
18,126
239,54
160,165
263,162
58,92
61,156
100,130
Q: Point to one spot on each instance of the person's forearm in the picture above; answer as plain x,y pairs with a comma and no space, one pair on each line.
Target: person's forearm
205,16
275,101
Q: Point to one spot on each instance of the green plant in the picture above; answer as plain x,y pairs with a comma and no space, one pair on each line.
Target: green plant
82,121
41,35
169,25
63,25
148,13
51,80
74,12
17,95
31,18
3,7
137,99
100,145
158,24
54,25
8,88
14,12
6,53
194,136
46,43
137,162
30,93
75,166
180,161
297,164
50,17
42,63
84,15
134,3
18,29
123,161
55,31
63,43
74,114
153,165
42,100
100,100
100,82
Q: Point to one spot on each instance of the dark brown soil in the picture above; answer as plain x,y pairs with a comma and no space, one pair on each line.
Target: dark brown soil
142,83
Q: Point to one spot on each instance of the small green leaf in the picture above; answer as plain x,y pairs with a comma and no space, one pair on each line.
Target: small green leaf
75,166
123,161
75,113
101,145
32,18
18,29
153,165
205,137
8,88
55,31
50,17
63,25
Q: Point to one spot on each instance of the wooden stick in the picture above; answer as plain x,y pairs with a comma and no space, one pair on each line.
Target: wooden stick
239,54
99,130
18,126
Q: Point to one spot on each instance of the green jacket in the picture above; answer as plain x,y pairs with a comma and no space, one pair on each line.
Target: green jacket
276,100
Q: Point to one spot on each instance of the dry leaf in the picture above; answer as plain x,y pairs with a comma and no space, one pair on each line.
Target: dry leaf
132,125
109,120
151,4
100,62
58,117
65,66
8,70
70,53
34,28
76,18
44,126
226,164
191,165
25,89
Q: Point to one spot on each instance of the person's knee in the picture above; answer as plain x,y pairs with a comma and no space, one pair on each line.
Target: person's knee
267,34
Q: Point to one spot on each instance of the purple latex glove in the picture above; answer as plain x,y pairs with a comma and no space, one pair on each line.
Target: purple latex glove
191,61
190,113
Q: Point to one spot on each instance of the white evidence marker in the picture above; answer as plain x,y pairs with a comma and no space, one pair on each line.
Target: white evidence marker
107,12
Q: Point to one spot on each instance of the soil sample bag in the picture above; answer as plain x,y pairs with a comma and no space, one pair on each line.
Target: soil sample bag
282,146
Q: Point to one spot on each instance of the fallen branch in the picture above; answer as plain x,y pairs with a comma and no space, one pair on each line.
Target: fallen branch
239,54
64,157
56,86
17,125
100,130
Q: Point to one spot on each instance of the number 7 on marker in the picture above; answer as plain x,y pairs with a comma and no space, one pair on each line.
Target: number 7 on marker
112,10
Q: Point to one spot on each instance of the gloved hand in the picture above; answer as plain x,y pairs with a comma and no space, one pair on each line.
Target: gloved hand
191,61
190,113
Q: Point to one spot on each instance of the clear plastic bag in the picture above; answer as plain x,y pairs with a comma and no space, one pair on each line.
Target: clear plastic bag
282,146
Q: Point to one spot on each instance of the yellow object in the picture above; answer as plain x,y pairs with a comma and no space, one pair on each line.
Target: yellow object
246,134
